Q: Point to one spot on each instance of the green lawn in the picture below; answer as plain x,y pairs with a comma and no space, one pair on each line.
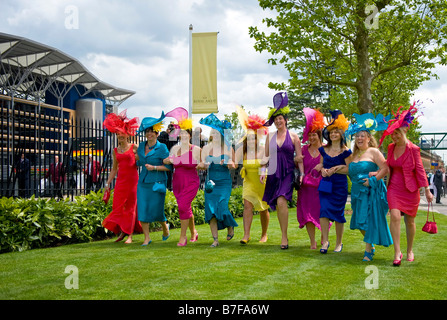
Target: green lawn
109,270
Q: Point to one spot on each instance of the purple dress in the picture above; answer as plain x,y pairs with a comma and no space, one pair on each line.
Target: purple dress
280,171
308,202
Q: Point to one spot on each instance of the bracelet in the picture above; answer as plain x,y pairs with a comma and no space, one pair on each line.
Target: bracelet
107,185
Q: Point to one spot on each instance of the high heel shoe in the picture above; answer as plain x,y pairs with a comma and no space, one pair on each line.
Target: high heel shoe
195,238
243,241
146,244
325,250
368,255
183,244
285,246
341,248
164,238
120,237
397,262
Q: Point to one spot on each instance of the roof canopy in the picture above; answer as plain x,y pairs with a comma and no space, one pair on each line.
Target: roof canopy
29,69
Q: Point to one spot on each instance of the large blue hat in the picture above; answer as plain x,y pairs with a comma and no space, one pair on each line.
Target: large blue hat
367,122
214,122
149,122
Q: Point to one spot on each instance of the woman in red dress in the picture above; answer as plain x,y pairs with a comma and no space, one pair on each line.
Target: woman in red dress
123,218
407,175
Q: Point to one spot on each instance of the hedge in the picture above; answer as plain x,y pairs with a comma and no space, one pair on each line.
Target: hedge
39,223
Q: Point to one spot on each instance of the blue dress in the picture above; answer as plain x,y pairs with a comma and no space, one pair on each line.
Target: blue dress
216,202
369,204
332,204
150,203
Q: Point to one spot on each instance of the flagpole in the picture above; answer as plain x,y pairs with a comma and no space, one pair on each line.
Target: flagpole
190,69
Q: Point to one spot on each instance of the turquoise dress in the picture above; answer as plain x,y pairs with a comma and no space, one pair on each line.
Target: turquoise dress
369,204
151,203
216,202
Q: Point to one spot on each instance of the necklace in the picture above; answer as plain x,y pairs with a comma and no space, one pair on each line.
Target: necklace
122,149
361,153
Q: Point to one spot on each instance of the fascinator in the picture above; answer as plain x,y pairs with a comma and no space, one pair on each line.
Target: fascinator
181,115
154,123
280,107
367,122
314,122
121,124
221,126
250,123
401,119
339,121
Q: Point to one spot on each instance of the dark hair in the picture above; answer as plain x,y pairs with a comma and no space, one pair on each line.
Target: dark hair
244,144
283,115
151,129
342,138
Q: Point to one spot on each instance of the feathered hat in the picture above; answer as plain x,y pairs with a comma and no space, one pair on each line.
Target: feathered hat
339,121
314,122
280,106
401,119
367,122
155,123
221,126
251,122
121,124
181,115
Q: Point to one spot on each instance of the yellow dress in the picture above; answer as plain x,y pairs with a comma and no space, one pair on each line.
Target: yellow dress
253,189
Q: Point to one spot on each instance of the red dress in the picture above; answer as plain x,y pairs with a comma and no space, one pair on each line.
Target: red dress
407,175
124,209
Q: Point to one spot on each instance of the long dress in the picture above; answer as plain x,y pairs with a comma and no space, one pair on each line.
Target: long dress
253,189
185,183
280,171
369,204
216,202
308,203
123,217
150,202
333,204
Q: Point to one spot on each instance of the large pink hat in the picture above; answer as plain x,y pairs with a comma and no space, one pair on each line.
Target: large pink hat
314,122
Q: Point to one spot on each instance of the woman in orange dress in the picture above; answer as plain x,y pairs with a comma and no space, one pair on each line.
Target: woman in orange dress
407,175
123,218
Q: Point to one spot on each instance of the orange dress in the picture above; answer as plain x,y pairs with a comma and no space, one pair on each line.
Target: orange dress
124,209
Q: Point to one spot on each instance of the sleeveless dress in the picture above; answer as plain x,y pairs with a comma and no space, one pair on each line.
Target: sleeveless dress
333,204
253,189
124,216
185,183
151,203
280,171
216,202
369,204
308,203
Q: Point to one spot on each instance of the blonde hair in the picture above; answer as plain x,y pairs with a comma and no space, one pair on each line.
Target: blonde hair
371,144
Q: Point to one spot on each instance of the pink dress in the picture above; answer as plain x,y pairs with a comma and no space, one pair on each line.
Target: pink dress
185,183
308,202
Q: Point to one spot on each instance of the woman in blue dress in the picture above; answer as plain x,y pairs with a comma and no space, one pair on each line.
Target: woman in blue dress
151,190
333,189
368,191
218,159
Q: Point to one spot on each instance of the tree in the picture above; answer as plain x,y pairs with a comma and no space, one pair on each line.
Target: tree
375,54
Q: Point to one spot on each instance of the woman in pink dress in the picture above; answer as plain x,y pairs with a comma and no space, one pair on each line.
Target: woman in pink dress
308,203
407,175
185,182
123,219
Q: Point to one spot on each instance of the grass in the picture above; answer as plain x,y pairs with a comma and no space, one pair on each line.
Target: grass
162,271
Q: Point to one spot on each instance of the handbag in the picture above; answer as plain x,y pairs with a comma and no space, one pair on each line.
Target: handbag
159,187
311,179
296,179
209,184
106,196
325,186
430,226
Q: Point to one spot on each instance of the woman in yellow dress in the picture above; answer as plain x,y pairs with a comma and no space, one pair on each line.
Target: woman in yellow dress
250,154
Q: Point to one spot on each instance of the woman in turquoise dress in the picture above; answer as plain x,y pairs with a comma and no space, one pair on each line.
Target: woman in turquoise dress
218,158
151,190
368,192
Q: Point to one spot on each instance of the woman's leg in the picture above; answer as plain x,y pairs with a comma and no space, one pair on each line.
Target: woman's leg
247,219
265,220
145,227
324,223
310,227
411,231
395,231
283,218
214,232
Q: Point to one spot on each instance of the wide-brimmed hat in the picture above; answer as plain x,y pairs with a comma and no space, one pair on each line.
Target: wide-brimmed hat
401,119
150,122
280,107
121,124
314,122
181,115
367,122
252,122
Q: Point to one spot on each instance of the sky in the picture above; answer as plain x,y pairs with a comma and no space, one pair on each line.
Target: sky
143,46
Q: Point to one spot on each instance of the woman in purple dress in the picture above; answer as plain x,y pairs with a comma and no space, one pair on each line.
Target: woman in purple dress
308,203
282,147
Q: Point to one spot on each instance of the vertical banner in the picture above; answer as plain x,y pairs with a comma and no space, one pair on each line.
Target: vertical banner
204,73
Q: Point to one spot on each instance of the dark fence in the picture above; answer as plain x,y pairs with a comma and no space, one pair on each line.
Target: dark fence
42,138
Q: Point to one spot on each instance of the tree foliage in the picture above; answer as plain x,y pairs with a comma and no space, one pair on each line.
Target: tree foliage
374,54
